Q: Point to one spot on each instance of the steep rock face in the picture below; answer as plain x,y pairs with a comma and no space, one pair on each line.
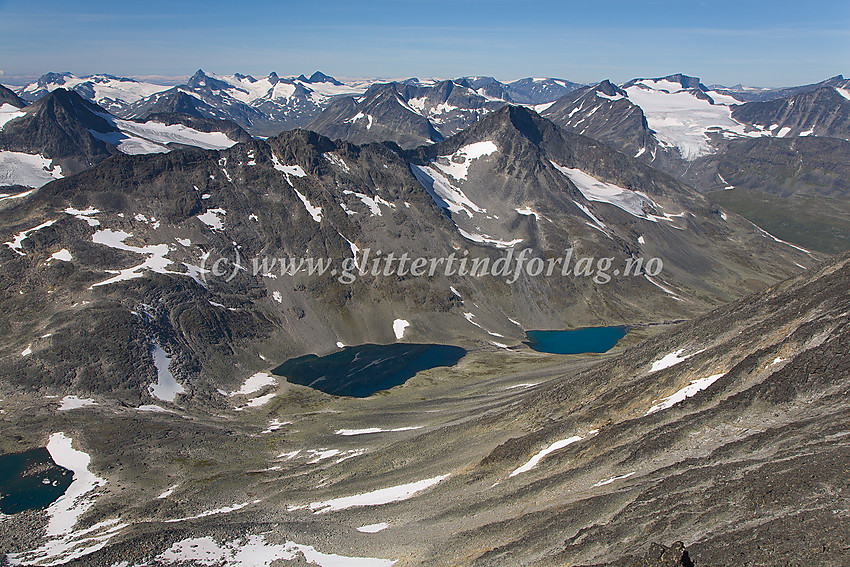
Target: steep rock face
8,96
61,126
383,114
603,112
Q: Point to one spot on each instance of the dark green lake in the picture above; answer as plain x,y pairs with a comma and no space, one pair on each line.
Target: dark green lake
360,371
576,341
31,480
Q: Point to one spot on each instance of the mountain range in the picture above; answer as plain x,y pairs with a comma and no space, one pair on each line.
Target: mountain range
713,433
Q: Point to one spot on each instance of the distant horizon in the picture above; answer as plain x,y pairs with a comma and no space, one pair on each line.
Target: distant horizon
174,80
755,43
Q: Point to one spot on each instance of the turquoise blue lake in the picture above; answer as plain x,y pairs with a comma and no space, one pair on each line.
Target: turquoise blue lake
576,341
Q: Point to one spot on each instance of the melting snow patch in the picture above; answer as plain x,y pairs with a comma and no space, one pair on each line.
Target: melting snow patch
801,249
446,195
213,218
153,409
671,359
29,170
337,161
595,190
459,162
315,212
275,424
686,392
261,401
369,119
255,551
64,255
84,215
532,462
166,387
7,196
17,243
528,212
377,497
27,351
73,402
371,202
168,492
666,290
484,239
370,430
610,480
254,384
373,528
399,327
64,513
224,510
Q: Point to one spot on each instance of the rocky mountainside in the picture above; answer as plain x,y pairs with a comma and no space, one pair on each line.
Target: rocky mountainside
407,114
823,112
382,114
138,230
756,94
534,91
414,112
604,112
720,442
702,135
263,106
62,133
8,96
110,92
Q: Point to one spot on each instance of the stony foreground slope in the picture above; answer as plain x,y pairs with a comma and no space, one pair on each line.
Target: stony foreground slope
728,433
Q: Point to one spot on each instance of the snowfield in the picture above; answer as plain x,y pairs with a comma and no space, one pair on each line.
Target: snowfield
688,391
255,551
377,497
532,462
459,162
29,170
671,359
681,120
9,112
166,387
399,326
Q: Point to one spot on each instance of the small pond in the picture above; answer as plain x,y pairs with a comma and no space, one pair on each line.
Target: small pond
31,480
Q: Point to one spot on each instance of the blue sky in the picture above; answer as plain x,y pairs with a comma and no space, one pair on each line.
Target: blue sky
757,42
